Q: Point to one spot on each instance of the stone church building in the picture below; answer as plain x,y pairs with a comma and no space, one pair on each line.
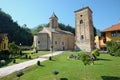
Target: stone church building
84,38
53,38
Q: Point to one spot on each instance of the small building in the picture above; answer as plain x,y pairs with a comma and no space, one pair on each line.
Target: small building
110,34
53,38
3,41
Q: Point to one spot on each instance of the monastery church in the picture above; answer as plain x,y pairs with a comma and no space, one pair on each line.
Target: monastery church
54,38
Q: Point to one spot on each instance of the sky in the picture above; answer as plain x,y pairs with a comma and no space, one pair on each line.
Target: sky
35,12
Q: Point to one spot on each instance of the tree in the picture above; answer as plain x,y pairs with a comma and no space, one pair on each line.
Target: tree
86,59
113,48
13,49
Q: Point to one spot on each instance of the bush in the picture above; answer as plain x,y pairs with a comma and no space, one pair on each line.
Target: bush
38,63
19,73
26,56
50,58
95,54
117,53
2,62
4,55
14,61
30,57
113,48
55,72
86,59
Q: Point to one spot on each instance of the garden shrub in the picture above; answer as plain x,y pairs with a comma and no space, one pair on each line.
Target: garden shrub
4,55
26,56
95,53
14,61
86,59
117,53
19,73
2,62
30,57
38,63
50,58
113,48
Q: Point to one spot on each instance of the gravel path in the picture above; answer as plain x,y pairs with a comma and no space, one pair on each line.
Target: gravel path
10,69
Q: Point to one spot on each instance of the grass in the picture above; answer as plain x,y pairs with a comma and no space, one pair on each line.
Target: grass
20,59
105,68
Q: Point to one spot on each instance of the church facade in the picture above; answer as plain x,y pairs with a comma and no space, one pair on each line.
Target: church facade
53,38
84,38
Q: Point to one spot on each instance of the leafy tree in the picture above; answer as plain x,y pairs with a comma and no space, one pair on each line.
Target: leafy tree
113,48
13,49
86,59
39,28
95,53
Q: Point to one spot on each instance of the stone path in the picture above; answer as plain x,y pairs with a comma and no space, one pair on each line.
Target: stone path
10,69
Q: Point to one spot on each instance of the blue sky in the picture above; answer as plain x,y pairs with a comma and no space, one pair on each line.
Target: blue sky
35,12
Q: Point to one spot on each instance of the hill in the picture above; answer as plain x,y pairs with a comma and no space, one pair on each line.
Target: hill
15,32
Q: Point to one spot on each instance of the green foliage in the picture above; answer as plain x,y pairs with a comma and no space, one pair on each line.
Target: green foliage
15,32
72,69
14,61
38,63
50,58
95,53
61,26
39,28
113,48
67,28
86,59
117,53
19,73
13,49
55,72
4,55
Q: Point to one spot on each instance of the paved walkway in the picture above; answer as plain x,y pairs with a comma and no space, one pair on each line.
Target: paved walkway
10,69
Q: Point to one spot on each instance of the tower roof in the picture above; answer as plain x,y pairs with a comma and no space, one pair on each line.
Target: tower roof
54,16
83,9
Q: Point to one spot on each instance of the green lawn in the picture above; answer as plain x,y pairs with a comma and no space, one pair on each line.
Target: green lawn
33,56
106,68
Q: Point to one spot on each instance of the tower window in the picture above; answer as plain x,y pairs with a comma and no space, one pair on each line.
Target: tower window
82,37
81,15
62,43
81,21
55,42
38,42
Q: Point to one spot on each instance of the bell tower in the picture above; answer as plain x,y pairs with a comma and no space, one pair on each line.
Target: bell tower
53,21
84,29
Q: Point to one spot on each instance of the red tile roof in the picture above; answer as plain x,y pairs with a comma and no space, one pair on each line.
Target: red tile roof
112,28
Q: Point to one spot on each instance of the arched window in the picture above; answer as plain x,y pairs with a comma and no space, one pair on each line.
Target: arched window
81,21
82,37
